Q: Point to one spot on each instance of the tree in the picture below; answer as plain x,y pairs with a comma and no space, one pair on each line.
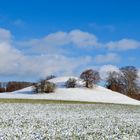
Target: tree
71,83
125,81
90,77
114,81
130,80
2,87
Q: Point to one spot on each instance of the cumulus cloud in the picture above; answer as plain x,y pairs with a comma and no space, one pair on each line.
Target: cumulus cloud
16,62
13,62
79,39
57,40
83,39
123,45
9,58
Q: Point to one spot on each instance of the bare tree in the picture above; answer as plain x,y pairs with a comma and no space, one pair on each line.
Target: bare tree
71,83
125,81
90,77
114,81
130,74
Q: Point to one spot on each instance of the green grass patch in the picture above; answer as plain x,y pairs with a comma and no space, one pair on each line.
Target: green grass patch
43,101
46,101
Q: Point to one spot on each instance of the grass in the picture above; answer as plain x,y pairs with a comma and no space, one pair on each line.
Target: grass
46,101
42,101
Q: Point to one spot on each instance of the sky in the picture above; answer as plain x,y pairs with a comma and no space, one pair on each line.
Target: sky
65,37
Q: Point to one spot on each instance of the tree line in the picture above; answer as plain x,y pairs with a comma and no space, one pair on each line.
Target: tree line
13,86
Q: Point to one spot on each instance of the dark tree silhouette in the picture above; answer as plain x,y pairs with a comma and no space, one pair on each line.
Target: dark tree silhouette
90,77
2,87
126,81
114,81
130,80
12,86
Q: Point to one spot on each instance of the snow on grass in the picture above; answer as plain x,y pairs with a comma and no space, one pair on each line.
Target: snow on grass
73,122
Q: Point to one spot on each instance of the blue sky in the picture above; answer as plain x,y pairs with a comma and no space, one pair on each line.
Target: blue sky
64,37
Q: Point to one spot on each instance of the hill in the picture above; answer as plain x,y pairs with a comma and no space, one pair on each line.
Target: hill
98,95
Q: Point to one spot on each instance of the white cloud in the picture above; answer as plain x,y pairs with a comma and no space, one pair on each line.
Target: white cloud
15,62
9,58
57,40
83,39
78,38
124,44
107,58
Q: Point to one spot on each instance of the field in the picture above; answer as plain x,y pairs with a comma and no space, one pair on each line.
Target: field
25,121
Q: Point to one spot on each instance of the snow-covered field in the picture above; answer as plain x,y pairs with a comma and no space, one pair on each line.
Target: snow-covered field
23,121
99,94
69,122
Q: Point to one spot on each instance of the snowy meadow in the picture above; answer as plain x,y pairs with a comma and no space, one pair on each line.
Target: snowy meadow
22,121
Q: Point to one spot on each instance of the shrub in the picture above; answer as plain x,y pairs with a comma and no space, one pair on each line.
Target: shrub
44,86
90,77
71,83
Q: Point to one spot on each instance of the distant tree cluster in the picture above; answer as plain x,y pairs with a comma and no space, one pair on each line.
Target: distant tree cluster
90,79
125,81
13,86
